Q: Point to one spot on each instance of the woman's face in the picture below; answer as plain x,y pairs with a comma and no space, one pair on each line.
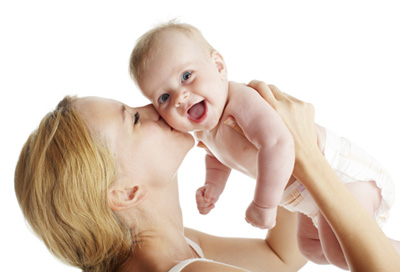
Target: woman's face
145,147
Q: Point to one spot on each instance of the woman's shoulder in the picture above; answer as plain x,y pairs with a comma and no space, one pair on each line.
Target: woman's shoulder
204,241
194,235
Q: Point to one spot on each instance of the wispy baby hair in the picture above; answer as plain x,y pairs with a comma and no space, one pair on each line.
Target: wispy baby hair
145,44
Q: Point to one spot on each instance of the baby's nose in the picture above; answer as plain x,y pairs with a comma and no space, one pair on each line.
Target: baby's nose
181,98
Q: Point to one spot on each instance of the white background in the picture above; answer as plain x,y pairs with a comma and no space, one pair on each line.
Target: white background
342,56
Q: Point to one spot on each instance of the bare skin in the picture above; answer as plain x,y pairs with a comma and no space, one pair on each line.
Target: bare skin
365,246
148,154
190,90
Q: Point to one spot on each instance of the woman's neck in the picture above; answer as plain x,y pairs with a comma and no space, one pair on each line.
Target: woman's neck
160,231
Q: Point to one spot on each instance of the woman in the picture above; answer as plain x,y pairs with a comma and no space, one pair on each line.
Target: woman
97,182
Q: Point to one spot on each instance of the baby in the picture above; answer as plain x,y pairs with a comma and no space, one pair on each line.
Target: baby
186,80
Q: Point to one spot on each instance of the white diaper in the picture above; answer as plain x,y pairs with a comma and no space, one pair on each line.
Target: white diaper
351,164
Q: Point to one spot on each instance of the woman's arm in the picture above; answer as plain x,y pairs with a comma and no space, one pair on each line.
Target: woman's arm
365,245
278,252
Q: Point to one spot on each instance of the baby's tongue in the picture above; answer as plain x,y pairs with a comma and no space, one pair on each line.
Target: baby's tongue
197,110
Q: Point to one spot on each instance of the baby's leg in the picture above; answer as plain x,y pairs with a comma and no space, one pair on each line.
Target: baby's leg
368,194
308,240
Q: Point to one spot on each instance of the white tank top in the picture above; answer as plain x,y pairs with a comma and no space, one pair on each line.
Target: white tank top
183,264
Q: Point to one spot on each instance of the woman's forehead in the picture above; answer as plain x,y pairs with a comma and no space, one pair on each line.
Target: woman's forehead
97,111
96,101
92,105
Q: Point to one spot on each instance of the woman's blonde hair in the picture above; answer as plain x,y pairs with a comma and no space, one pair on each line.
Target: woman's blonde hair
61,182
141,52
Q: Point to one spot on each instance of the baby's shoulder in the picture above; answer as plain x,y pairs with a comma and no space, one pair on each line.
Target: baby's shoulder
239,92
241,99
236,88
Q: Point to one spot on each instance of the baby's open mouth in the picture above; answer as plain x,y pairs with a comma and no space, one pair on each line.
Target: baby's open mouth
198,112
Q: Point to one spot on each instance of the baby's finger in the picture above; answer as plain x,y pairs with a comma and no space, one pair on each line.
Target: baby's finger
205,208
200,195
209,196
200,192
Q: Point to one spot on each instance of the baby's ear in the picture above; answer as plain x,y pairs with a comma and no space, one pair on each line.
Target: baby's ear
219,62
121,199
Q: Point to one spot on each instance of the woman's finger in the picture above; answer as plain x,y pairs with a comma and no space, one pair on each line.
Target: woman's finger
263,89
279,95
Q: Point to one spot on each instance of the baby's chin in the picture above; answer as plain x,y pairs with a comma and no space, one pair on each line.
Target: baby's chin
207,124
210,125
182,128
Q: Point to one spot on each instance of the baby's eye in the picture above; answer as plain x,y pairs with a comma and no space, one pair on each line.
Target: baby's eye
137,117
163,98
186,76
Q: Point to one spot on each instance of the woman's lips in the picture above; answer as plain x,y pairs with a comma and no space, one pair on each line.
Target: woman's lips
198,112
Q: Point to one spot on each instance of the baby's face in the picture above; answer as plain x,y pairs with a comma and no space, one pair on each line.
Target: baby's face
187,85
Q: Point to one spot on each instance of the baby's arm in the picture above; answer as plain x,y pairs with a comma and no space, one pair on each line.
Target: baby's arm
216,176
264,128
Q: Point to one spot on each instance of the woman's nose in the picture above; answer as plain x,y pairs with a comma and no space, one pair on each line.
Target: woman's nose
181,98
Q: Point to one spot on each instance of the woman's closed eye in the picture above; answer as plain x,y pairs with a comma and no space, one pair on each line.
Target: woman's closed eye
137,117
163,98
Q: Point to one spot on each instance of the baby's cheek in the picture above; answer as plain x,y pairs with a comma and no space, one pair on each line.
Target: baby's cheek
183,128
180,125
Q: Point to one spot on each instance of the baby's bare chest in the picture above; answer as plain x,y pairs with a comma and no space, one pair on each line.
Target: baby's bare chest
231,148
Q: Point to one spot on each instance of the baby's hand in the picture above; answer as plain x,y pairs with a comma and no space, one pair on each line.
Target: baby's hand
206,197
264,218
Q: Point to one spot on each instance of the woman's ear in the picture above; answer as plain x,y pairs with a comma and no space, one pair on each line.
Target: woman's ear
121,199
219,62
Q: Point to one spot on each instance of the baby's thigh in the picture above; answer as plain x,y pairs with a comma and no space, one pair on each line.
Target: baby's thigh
367,193
308,240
